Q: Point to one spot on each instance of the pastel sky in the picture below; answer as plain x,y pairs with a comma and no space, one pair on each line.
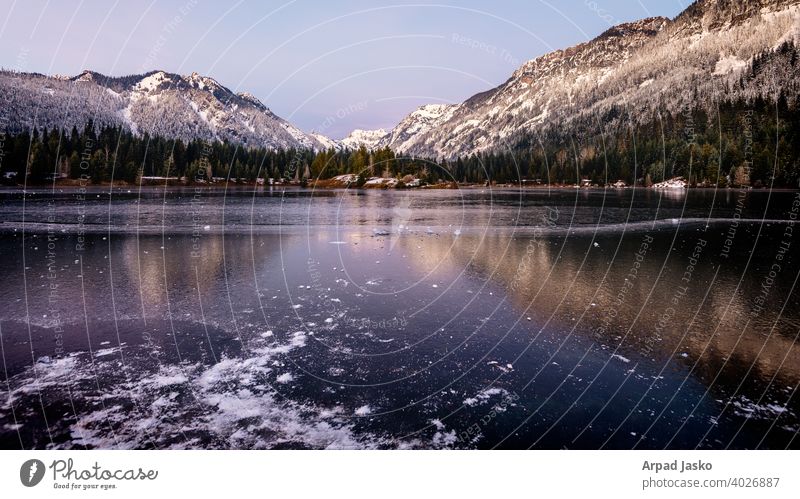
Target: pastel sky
328,66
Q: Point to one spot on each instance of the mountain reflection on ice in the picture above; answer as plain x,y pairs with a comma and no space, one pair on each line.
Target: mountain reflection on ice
438,319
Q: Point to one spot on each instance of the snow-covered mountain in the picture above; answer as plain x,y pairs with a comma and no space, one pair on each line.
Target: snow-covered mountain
634,69
158,103
418,124
625,75
370,139
402,137
325,142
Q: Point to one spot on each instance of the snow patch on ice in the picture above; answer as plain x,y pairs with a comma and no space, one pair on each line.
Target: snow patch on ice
484,396
189,405
364,410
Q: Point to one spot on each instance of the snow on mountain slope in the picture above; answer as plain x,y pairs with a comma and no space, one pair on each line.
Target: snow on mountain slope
370,139
326,142
629,72
158,103
417,124
641,66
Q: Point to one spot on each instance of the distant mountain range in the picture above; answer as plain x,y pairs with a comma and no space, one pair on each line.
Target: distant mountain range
627,73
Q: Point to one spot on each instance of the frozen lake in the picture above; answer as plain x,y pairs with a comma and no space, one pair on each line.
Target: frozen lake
470,318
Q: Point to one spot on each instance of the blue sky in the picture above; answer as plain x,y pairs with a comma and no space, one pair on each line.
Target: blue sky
329,66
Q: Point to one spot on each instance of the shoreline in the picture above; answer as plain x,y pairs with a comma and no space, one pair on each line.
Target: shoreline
326,185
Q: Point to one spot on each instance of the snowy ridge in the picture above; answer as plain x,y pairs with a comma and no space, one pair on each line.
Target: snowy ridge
158,103
371,139
326,142
647,65
630,72
417,124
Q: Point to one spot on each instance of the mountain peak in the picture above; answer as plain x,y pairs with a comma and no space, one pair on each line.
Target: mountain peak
650,26
370,139
154,80
87,75
158,103
707,15
200,82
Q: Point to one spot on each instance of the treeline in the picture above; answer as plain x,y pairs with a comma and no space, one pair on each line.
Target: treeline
752,144
104,154
737,144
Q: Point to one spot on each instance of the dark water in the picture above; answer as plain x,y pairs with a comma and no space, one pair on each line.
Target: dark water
426,319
